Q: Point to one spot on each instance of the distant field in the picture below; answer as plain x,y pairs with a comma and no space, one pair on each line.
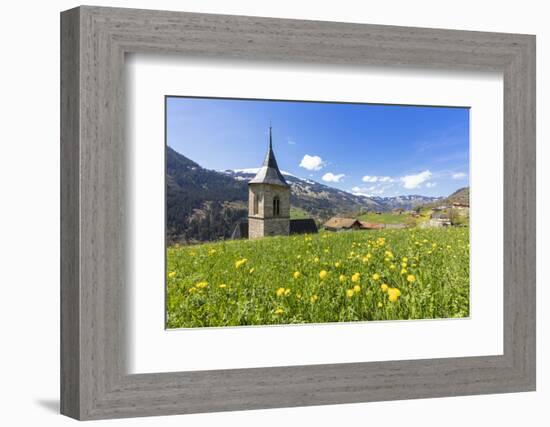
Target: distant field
298,213
384,218
327,277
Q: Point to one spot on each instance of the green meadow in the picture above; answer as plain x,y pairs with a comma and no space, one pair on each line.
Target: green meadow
327,277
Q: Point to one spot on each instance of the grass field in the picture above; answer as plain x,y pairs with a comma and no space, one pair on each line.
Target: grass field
326,277
383,218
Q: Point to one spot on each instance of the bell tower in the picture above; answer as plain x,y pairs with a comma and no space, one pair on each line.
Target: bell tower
268,199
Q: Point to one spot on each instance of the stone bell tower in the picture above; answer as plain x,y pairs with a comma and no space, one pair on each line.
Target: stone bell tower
268,200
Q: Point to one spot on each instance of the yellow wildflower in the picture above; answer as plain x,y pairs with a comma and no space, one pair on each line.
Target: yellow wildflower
280,292
316,259
411,278
404,259
172,274
404,264
314,298
384,287
356,277
392,267
251,270
376,276
393,294
279,311
342,278
350,293
202,285
403,271
357,289
287,292
322,274
380,305
193,289
222,286
296,275
337,264
240,263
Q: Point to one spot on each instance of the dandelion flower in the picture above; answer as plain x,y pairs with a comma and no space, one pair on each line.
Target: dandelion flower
279,311
376,276
403,271
342,278
240,263
337,264
322,274
350,293
222,286
393,294
384,287
251,270
192,290
357,289
392,267
356,277
287,292
411,278
316,259
314,298
202,285
404,259
296,275
380,305
172,274
280,292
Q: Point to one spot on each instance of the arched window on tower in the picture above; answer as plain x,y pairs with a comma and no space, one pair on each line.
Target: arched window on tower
254,204
276,207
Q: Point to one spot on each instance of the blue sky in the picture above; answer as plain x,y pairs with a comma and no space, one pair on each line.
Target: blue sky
376,150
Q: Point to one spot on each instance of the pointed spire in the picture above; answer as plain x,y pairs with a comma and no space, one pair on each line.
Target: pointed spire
269,173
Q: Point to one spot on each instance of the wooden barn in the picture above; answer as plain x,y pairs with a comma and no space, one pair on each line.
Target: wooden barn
342,224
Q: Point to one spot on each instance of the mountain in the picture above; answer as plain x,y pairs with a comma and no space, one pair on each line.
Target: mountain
204,204
404,202
200,204
461,195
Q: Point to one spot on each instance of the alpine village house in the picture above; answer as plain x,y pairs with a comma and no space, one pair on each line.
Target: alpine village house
269,204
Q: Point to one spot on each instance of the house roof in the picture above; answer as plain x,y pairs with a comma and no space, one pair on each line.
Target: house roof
339,222
269,173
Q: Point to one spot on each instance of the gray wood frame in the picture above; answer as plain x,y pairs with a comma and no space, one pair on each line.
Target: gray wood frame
94,382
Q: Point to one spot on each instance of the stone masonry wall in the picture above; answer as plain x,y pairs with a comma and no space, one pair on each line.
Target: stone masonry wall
264,223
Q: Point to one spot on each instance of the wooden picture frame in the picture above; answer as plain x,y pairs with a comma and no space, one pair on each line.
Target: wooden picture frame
94,382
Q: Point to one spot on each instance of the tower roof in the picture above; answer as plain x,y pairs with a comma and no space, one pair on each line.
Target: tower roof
269,173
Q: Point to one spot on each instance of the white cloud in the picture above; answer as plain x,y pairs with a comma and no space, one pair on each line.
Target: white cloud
459,175
312,163
431,184
330,177
369,178
373,190
414,181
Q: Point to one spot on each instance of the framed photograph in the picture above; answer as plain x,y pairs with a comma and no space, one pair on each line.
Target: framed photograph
262,213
